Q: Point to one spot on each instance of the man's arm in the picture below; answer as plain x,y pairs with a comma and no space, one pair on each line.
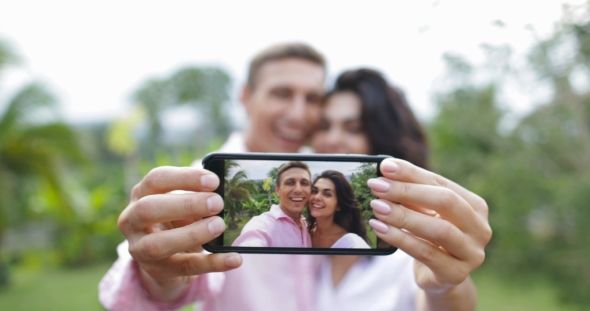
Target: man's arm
439,223
165,231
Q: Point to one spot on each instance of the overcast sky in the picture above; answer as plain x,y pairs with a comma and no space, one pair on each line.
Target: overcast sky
93,55
257,169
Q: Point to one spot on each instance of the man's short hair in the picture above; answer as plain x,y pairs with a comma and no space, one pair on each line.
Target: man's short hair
288,166
282,51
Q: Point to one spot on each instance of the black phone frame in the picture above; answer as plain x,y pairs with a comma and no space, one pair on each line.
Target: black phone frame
211,163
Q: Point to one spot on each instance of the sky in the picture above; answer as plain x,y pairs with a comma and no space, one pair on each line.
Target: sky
94,55
257,169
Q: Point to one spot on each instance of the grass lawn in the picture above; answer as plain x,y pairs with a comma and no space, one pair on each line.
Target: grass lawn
53,289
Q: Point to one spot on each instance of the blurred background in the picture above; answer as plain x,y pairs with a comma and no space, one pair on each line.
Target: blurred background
92,96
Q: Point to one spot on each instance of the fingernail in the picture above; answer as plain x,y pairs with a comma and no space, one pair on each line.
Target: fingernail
389,166
208,181
214,203
216,226
233,261
380,207
378,185
378,226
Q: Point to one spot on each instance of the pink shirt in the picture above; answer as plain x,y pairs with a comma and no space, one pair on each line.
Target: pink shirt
274,229
263,282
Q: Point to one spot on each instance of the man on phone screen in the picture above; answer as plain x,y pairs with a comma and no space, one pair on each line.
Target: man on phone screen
283,225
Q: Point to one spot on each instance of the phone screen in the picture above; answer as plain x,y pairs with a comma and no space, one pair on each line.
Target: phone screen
304,202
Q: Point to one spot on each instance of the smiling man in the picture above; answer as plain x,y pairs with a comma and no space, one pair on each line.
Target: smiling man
283,225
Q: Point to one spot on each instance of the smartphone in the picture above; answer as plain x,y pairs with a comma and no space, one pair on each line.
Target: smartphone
278,203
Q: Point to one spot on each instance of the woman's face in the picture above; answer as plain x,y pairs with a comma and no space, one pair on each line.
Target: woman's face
323,201
341,129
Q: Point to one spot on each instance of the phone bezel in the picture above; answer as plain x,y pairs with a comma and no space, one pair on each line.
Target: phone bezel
216,245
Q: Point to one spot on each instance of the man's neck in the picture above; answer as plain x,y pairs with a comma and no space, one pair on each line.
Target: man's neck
250,141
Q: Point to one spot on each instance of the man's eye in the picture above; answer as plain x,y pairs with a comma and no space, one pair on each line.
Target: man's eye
282,93
324,125
314,99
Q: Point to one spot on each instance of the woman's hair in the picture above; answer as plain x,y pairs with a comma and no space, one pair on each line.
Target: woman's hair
388,121
349,215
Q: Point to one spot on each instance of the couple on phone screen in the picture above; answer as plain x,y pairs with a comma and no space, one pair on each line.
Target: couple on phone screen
333,213
162,266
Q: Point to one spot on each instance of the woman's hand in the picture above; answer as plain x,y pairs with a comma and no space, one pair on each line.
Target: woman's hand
439,223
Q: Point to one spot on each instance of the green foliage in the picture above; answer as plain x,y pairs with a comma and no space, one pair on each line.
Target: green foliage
358,182
238,191
535,178
204,89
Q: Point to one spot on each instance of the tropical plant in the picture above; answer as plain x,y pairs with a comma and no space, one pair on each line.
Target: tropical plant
237,190
204,89
35,149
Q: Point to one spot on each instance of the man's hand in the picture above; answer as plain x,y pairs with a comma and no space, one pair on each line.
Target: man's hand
166,230
439,223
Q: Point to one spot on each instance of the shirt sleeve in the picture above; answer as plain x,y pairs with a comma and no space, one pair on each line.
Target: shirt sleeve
121,288
253,238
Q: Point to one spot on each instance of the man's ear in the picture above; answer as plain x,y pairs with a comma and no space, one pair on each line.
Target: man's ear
277,189
245,97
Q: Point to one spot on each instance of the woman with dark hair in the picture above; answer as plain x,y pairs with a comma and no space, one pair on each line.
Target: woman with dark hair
363,114
334,215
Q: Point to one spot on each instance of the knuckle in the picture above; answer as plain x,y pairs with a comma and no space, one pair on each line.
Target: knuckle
440,181
429,254
405,190
402,217
152,178
135,192
142,210
482,204
151,249
487,233
216,263
445,231
448,198
479,257
187,267
194,236
190,204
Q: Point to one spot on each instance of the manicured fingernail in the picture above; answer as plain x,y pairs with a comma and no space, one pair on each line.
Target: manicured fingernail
378,226
389,166
378,185
216,226
380,207
233,261
214,203
208,181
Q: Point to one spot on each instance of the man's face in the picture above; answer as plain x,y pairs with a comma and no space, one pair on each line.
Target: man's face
284,105
294,191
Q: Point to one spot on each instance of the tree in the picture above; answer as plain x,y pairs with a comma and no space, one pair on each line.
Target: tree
358,182
32,152
237,190
205,89
534,177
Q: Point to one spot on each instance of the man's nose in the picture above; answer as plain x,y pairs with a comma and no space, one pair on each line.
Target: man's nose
297,109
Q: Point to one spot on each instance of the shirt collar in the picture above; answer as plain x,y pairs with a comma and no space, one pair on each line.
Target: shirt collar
236,143
277,212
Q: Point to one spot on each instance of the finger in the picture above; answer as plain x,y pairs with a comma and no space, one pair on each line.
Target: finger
168,178
162,244
446,267
445,202
159,208
400,170
188,264
435,230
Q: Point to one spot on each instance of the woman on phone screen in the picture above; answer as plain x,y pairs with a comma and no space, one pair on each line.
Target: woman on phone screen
334,215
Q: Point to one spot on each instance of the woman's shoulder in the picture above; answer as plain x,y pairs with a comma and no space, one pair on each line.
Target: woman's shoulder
351,240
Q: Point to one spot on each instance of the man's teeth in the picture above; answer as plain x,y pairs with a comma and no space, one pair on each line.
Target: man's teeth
297,199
